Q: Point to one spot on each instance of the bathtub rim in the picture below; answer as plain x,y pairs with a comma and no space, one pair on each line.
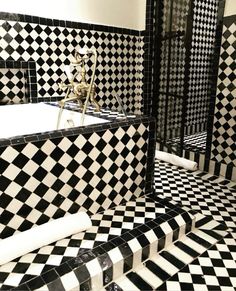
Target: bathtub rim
114,119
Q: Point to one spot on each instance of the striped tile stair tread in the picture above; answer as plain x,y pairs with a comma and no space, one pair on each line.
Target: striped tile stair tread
105,263
155,272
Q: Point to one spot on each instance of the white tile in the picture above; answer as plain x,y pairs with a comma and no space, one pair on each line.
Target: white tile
118,269
181,255
69,281
13,279
149,277
164,264
185,277
173,286
211,280
96,274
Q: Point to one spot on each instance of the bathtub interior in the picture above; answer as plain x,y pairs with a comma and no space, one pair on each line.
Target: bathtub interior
32,118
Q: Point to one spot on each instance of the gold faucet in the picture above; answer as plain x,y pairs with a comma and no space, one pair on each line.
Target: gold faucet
81,92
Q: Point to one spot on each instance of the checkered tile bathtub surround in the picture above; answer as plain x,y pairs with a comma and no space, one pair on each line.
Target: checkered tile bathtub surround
92,171
120,58
224,131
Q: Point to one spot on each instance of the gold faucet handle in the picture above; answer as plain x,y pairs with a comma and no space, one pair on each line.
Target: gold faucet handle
62,86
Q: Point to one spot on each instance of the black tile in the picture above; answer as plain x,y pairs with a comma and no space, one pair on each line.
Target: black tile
138,281
163,275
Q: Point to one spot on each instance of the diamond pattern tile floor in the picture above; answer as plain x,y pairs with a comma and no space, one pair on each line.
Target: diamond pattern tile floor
186,265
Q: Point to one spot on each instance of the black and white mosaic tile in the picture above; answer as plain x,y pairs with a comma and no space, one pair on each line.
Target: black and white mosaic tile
119,239
205,196
163,267
202,49
205,258
224,137
93,171
120,59
213,270
12,86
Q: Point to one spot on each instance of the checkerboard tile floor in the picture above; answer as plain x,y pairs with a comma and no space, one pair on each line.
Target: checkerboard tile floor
185,265
204,259
205,196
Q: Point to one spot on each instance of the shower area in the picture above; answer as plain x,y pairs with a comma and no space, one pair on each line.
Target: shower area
185,72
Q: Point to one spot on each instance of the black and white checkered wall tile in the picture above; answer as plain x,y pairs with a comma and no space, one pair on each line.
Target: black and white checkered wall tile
120,59
12,86
224,131
203,41
90,171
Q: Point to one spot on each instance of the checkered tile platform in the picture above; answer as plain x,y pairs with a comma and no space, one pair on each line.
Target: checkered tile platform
162,270
125,222
205,196
92,172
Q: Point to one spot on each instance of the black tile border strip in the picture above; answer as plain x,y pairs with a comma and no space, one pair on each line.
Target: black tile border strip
67,24
229,20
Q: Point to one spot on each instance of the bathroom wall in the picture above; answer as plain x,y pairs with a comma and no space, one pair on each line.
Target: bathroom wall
122,13
223,150
51,43
230,8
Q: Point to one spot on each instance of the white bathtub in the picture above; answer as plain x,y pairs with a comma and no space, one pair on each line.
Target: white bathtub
22,119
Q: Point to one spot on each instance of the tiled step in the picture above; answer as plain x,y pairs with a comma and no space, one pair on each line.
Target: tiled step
119,240
157,271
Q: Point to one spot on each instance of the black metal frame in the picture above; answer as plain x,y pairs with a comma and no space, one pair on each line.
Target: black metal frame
158,13
188,46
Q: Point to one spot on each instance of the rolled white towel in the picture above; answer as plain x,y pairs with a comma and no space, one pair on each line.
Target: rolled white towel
177,161
25,242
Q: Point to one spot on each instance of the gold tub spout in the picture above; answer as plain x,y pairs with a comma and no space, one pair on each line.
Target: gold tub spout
80,91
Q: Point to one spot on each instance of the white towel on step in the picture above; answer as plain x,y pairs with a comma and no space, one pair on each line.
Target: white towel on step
177,161
25,242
